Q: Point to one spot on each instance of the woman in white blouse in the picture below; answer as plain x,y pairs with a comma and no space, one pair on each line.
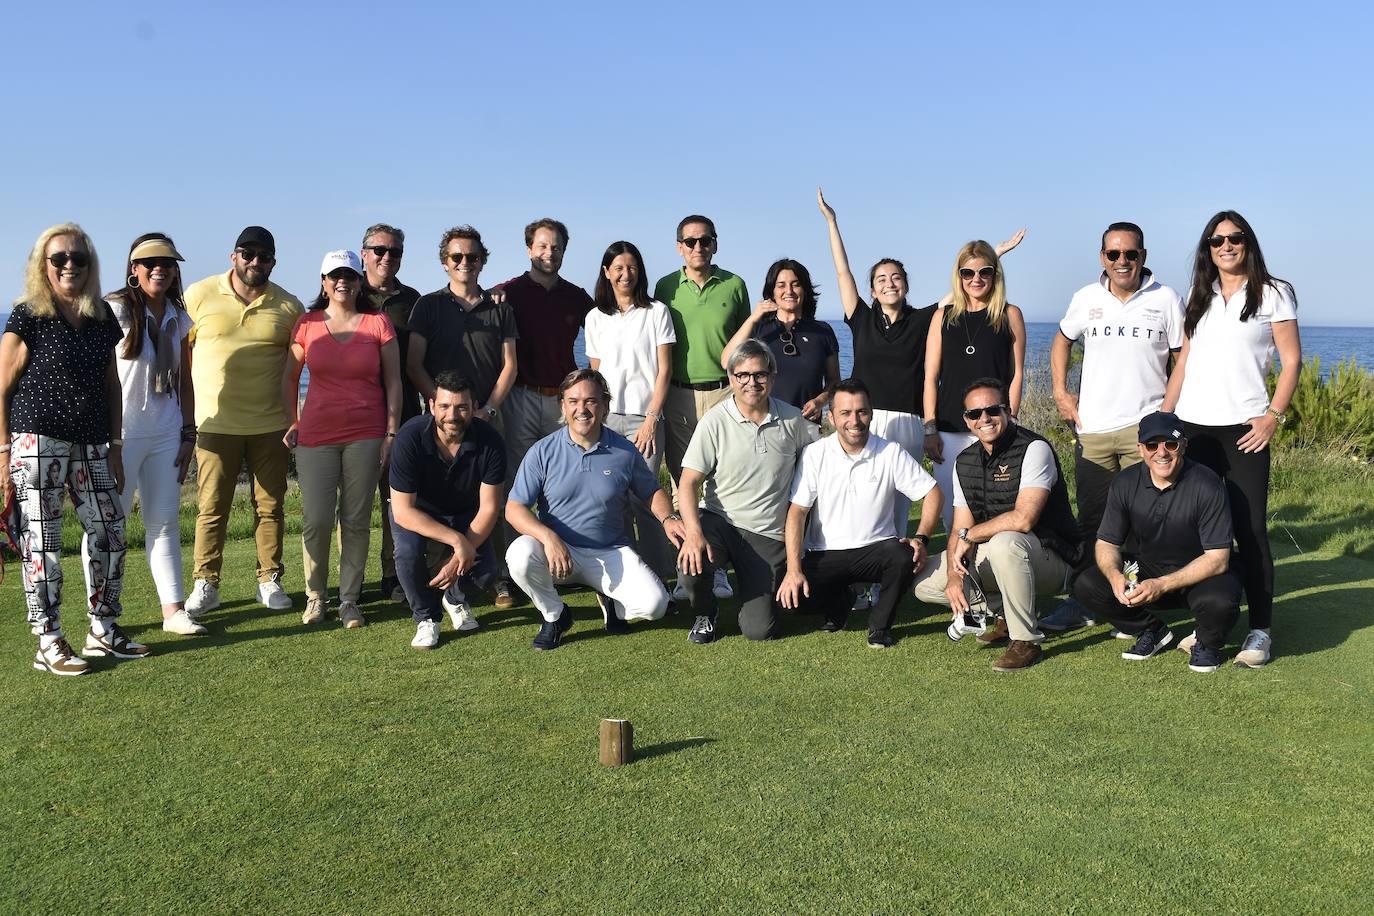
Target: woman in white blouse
159,412
629,340
1238,315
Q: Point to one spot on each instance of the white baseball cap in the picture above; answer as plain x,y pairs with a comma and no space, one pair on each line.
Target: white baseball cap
343,258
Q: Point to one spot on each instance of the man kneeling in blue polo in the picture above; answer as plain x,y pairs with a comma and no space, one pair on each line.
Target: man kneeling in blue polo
580,477
447,471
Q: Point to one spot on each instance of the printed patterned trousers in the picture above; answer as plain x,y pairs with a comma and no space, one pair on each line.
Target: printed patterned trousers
42,469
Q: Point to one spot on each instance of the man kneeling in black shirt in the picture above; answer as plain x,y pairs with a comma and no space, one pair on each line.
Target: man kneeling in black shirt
1178,512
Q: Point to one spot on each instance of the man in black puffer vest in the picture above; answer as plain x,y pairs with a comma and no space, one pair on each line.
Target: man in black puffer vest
1012,521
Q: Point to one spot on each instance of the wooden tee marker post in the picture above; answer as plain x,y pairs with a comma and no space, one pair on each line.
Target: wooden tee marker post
617,742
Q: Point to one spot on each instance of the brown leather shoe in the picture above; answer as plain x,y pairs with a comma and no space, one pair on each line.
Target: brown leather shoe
1020,654
995,634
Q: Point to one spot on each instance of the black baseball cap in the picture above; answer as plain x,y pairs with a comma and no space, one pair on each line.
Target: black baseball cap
256,237
1160,425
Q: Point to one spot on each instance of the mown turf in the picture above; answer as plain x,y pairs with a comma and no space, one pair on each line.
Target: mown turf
274,768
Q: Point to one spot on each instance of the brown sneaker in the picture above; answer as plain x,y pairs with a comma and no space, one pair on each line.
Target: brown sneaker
995,634
59,658
502,596
1020,654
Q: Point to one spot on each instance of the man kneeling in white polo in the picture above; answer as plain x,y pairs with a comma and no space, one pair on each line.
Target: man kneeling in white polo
580,477
850,479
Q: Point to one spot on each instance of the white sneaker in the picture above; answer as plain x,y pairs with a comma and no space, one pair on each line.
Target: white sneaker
182,624
272,595
721,585
1186,644
461,615
204,598
1254,652
426,635
1120,634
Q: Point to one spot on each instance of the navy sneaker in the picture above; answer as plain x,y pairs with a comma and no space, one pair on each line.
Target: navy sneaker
1148,644
614,624
1203,660
880,640
703,630
551,633
1070,615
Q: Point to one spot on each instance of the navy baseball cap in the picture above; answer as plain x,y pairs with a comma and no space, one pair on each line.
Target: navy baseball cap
1160,425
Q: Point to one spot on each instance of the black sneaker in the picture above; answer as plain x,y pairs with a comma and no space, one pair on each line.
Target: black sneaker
703,630
1204,660
880,640
832,625
614,624
551,633
1148,644
387,588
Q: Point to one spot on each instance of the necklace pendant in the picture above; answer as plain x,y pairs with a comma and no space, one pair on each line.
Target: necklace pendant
970,350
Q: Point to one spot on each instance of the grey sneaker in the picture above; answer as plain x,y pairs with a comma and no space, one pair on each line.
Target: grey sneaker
204,598
315,610
1070,615
1255,651
351,615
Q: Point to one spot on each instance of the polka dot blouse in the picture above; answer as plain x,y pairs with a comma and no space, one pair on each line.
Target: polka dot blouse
62,392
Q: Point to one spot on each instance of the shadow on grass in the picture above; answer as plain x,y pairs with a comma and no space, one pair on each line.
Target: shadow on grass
670,747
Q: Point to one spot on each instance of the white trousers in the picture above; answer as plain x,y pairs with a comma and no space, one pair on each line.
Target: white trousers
951,444
616,572
904,429
150,473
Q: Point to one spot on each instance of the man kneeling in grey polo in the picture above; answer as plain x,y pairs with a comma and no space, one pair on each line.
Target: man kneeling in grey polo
744,451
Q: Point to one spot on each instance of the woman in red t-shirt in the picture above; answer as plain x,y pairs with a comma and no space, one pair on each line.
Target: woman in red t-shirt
344,434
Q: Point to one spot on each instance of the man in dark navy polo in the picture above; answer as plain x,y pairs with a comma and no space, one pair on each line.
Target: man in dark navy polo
579,480
447,474
1178,512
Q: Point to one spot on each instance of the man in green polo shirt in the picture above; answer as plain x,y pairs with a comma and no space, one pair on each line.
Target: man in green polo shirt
708,306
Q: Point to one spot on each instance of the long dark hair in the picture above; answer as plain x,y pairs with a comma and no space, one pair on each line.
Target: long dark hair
809,294
135,300
604,296
1205,273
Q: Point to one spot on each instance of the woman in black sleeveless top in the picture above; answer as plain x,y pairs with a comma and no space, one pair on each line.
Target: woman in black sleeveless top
978,335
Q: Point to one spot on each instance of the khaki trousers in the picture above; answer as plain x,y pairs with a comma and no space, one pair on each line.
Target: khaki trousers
1013,565
219,456
684,407
337,482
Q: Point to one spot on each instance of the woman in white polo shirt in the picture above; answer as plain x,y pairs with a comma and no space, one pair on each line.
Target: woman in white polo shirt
629,340
1238,314
159,411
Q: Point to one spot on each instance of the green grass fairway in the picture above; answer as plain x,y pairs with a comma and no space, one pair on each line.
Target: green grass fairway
269,768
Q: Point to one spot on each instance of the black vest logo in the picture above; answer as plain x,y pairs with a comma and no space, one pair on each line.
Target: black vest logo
1003,473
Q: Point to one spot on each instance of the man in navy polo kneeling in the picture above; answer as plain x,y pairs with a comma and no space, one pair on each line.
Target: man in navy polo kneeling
1178,511
447,471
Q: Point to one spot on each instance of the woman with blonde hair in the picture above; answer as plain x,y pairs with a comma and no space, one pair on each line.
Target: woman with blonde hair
978,335
60,426
158,410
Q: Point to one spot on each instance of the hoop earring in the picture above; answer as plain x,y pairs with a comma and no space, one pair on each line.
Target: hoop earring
133,281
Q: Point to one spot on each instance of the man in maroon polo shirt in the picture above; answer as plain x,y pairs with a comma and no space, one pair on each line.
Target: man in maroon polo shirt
549,312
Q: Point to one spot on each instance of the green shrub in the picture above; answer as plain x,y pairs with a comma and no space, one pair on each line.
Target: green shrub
1332,414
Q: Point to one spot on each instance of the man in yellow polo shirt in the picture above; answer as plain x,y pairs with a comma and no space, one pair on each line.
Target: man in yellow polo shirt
242,330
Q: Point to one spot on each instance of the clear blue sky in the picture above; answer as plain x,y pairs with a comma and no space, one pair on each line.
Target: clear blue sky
926,129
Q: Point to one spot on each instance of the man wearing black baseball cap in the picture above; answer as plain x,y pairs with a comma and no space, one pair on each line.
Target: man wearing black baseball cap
241,332
1178,513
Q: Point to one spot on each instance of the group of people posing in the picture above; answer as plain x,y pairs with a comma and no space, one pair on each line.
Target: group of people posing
503,467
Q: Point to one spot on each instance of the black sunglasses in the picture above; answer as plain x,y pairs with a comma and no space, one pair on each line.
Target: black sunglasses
1235,238
1130,254
1154,444
154,263
77,259
789,343
694,241
382,251
458,257
249,255
968,273
993,411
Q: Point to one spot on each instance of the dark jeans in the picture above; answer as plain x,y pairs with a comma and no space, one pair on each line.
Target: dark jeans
1247,487
830,573
1092,485
1214,602
413,568
759,562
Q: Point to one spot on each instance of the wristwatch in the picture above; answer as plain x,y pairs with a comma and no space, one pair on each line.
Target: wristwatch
673,517
1277,415
923,538
491,412
963,536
